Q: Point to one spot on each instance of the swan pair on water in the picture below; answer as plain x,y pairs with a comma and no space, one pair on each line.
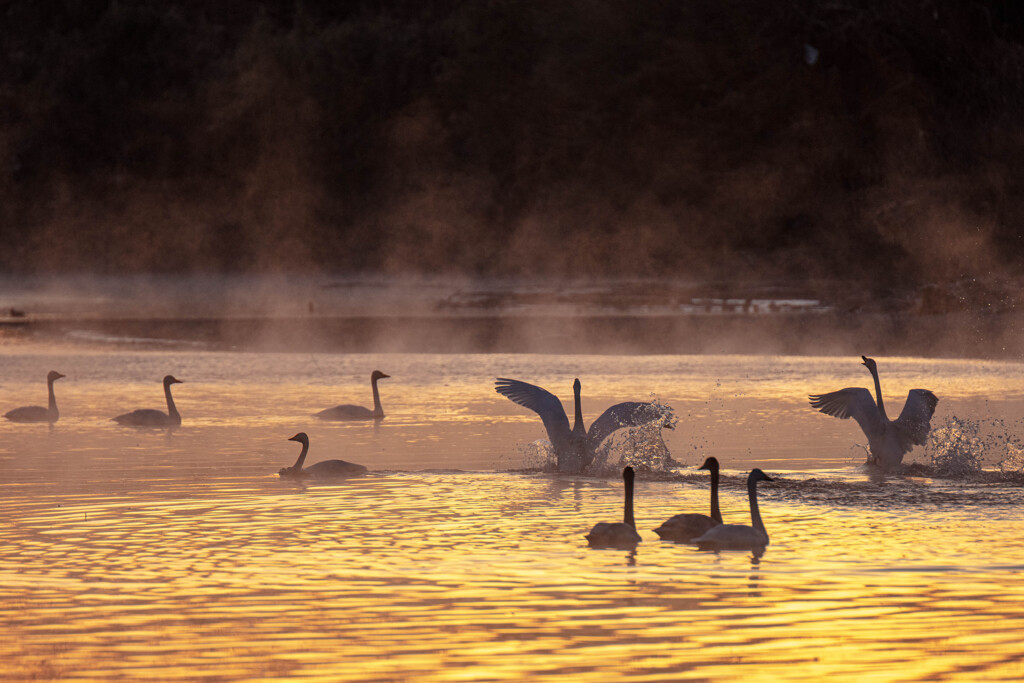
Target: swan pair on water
706,532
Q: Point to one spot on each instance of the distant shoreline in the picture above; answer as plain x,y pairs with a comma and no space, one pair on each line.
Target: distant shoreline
954,335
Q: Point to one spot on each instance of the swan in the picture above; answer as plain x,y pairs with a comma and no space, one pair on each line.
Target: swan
618,534
574,448
38,413
888,440
739,536
351,412
688,526
328,469
155,418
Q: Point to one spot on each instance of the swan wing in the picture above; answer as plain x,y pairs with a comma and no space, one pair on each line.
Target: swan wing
540,401
629,414
855,402
916,418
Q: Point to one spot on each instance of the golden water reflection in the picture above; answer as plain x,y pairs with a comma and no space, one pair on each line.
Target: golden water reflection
487,576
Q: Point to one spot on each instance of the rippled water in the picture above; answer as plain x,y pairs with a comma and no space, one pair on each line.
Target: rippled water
132,554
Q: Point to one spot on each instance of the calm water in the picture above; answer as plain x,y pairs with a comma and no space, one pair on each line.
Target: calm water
138,554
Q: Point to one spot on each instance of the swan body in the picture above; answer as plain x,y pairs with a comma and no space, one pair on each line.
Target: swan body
574,448
739,536
618,534
327,469
353,412
888,440
154,418
688,526
38,413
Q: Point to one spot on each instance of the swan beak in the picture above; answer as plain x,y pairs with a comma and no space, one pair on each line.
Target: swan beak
60,375
767,478
383,376
865,359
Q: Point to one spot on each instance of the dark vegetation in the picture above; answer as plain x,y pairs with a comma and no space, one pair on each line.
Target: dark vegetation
701,139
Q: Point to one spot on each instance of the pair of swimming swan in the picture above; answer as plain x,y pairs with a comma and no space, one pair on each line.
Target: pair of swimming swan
575,448
327,469
888,440
707,533
138,418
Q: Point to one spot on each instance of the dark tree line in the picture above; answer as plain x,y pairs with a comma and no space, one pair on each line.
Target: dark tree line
805,139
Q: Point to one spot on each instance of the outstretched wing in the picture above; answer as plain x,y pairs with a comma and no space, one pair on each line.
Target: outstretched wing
629,414
855,402
916,419
540,401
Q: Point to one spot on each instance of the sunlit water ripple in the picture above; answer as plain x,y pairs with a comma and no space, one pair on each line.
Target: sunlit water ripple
132,554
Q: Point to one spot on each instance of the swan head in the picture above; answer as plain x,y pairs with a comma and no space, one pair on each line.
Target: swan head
627,473
757,475
710,464
169,379
377,374
53,376
576,386
301,438
869,363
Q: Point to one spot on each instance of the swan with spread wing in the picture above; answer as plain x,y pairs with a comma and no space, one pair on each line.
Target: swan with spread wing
888,440
575,448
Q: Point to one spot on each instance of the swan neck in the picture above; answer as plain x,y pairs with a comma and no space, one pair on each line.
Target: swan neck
578,405
716,512
878,393
627,516
755,511
302,456
53,397
172,410
378,410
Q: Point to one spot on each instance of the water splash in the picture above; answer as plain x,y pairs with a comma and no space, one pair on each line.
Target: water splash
955,448
643,448
960,447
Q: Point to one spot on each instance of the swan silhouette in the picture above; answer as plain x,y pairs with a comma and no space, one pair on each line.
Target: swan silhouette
146,417
688,526
739,536
328,469
38,413
888,440
353,412
618,534
574,448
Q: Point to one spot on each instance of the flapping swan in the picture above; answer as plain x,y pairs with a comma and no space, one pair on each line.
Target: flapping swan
574,448
38,413
351,412
888,441
739,536
688,526
618,534
154,418
328,469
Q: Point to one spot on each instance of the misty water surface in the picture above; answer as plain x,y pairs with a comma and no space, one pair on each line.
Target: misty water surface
182,556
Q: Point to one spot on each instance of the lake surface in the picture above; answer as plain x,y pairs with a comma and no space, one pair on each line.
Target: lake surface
142,554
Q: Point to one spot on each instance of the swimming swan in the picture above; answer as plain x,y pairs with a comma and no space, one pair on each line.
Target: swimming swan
38,413
154,418
351,412
328,469
574,448
618,534
739,536
688,526
888,441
